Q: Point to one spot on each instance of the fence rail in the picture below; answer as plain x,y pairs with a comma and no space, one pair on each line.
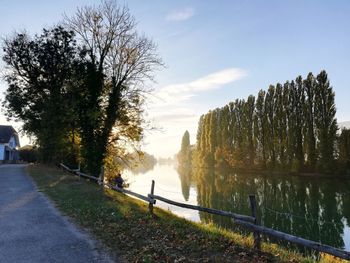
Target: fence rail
122,190
205,209
297,240
249,222
80,174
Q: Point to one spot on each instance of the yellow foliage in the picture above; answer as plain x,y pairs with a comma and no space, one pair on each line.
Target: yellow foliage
326,258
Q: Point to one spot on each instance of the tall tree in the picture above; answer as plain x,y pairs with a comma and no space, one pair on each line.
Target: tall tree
199,133
309,113
206,130
231,130
299,100
40,72
260,128
282,129
295,124
344,148
222,154
269,109
284,124
280,125
118,62
197,151
203,150
249,128
225,120
184,156
212,137
238,133
325,121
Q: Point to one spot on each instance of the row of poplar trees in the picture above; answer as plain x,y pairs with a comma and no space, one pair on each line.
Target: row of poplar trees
289,127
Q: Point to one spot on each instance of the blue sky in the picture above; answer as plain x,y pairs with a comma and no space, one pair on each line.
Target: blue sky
217,51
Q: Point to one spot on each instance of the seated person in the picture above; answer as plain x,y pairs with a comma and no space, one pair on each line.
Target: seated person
119,181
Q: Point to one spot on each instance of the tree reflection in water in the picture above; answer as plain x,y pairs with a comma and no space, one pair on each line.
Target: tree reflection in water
312,208
185,174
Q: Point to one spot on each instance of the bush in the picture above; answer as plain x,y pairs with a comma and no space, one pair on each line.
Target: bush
29,153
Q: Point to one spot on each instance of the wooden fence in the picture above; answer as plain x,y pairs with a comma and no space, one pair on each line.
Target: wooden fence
249,222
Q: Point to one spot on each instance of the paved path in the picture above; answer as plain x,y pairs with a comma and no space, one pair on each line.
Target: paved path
32,230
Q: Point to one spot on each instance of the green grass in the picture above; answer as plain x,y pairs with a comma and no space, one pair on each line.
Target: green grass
126,229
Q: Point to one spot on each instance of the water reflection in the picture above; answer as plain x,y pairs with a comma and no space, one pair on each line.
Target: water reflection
313,208
167,184
185,175
316,209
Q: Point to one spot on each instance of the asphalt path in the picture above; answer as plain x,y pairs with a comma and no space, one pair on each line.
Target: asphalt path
33,230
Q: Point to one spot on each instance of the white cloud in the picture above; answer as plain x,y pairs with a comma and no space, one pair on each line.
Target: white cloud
180,15
170,110
175,93
173,121
174,117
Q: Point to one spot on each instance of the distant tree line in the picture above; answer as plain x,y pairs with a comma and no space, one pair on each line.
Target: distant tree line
78,87
140,162
289,127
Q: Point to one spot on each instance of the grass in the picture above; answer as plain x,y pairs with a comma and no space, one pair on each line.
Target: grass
126,229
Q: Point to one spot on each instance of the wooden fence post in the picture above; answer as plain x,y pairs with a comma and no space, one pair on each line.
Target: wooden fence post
152,201
256,234
101,178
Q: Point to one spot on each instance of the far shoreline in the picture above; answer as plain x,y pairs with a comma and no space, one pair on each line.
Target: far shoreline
267,172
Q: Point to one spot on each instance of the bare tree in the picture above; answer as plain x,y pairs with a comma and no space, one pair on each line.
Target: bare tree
118,63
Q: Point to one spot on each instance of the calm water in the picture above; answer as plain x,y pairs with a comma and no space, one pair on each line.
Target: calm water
316,209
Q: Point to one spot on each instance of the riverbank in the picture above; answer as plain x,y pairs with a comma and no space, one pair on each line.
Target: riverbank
127,230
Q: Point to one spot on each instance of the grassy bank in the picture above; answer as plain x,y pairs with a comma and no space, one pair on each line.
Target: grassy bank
128,231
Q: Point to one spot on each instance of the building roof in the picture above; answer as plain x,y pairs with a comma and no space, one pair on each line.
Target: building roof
6,132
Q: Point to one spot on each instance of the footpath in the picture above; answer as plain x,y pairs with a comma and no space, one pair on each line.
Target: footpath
33,230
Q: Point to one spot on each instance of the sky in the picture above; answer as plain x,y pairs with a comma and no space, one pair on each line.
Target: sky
215,52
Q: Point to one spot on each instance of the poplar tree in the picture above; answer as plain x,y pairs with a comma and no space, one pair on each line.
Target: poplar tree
205,151
249,107
284,127
225,134
280,125
197,158
285,94
325,121
260,128
288,99
309,114
270,117
184,156
238,138
231,127
212,137
219,127
299,101
225,140
344,149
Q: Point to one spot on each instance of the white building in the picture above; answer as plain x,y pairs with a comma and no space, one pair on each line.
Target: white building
9,143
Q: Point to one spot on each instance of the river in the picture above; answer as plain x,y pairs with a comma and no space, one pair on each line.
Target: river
313,208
